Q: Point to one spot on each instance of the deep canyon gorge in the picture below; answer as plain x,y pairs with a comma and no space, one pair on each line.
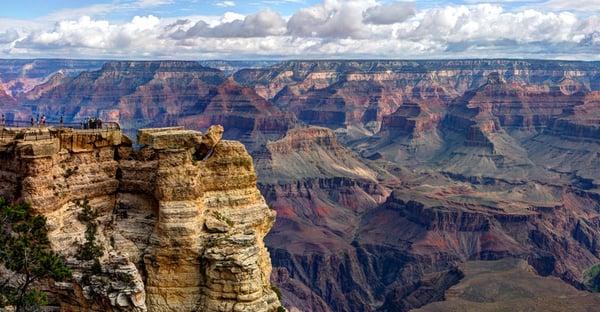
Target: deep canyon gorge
389,185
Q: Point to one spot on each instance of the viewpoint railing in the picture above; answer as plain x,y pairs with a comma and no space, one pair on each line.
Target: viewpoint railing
36,130
105,125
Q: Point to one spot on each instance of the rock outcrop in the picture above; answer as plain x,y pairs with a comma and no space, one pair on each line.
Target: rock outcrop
179,233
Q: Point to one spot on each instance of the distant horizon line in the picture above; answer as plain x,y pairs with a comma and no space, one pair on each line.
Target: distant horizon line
297,59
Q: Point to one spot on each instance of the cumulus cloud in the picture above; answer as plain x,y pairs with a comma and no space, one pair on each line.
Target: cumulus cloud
331,19
332,28
8,36
261,24
579,5
491,23
395,12
591,40
94,34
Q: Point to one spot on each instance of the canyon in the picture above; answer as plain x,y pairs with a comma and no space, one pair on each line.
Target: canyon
398,185
180,222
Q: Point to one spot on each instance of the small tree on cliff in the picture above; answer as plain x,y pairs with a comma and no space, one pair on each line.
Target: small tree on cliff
591,278
25,257
90,250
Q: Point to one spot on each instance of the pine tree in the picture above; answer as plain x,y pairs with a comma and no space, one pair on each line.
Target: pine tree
90,250
27,257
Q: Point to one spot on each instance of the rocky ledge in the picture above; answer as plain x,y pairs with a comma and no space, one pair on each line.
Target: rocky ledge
180,220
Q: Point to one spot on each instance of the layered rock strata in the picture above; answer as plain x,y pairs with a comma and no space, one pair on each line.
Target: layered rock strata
181,221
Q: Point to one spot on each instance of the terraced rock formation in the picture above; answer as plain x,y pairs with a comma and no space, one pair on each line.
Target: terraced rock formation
387,176
154,93
516,285
180,221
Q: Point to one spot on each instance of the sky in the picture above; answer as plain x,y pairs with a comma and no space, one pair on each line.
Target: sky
300,29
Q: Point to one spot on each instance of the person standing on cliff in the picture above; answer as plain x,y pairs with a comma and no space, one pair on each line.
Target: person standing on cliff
61,121
3,120
32,121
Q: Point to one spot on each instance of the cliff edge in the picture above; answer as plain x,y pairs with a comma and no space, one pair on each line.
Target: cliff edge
180,221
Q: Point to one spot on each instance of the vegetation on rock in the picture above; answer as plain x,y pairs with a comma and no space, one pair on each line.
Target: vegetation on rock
25,257
277,291
591,278
90,250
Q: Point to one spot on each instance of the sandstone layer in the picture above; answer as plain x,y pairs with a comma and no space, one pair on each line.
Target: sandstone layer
181,221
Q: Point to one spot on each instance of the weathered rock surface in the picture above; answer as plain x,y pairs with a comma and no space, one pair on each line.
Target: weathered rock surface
425,165
178,233
484,174
515,285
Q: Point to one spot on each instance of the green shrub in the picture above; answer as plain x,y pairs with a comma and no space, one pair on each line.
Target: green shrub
276,291
87,214
124,278
25,249
90,250
591,278
96,267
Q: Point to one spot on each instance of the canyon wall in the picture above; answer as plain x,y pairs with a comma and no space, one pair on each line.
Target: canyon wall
386,175
181,222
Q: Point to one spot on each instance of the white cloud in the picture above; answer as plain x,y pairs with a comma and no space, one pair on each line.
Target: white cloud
331,19
94,34
394,12
578,5
8,36
225,4
333,28
261,24
491,23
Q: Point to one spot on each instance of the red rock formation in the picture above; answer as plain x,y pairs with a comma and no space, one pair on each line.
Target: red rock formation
242,110
134,88
486,159
137,94
6,100
319,190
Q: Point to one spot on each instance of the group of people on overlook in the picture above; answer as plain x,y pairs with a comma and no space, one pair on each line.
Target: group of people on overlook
91,123
40,120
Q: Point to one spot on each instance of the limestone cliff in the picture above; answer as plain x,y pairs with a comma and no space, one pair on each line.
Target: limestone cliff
181,222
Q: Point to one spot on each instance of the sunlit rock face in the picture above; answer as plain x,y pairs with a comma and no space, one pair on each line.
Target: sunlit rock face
181,220
387,176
